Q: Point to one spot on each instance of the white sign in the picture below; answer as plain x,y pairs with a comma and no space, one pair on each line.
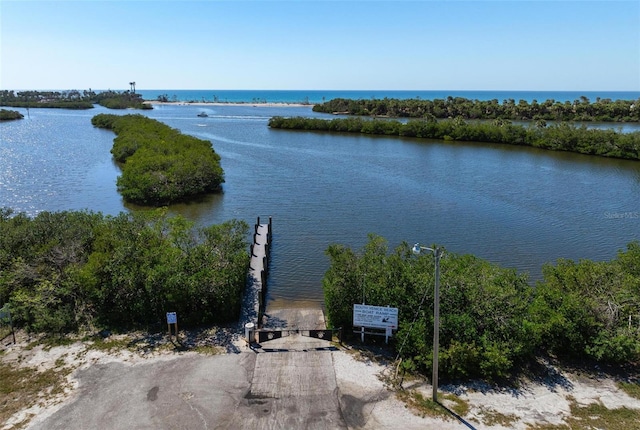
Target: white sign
375,316
172,318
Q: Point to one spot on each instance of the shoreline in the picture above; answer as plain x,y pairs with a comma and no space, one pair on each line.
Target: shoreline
252,104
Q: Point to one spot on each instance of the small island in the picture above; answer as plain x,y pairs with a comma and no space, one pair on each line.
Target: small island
7,115
561,136
159,164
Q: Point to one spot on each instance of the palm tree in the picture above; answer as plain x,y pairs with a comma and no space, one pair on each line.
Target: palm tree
133,87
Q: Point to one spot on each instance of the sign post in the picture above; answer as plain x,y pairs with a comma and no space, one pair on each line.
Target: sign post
6,313
172,318
379,317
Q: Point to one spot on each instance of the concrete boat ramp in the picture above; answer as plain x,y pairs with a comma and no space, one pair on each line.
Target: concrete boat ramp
294,382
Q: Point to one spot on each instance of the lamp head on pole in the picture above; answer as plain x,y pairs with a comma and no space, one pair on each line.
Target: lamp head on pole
417,249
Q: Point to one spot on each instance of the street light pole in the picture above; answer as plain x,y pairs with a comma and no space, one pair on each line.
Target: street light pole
437,253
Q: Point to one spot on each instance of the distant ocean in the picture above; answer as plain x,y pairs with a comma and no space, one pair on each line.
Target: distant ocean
319,96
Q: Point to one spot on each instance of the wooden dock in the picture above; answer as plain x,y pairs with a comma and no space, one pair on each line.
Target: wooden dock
258,273
290,322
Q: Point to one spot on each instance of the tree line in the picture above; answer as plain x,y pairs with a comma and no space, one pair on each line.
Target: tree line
73,99
493,323
559,137
582,109
73,270
159,164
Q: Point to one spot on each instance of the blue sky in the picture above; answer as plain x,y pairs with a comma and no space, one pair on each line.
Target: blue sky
323,45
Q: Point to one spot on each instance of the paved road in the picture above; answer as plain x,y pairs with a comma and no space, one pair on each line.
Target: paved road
288,384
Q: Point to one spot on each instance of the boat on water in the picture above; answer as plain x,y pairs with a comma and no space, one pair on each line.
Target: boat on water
203,115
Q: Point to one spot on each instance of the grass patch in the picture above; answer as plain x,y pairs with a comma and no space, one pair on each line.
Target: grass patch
456,404
208,349
631,388
491,417
23,387
548,427
422,405
49,342
596,415
109,345
5,331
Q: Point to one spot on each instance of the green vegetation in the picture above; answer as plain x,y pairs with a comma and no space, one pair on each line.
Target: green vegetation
425,407
160,165
590,308
110,344
72,99
603,110
123,100
493,324
66,271
6,115
559,137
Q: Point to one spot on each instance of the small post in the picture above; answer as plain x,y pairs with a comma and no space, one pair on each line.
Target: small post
436,323
172,318
6,312
13,332
249,333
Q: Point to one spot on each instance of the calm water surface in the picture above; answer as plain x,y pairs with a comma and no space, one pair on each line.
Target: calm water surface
519,207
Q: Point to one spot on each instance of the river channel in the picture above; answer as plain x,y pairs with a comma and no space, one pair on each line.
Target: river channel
518,207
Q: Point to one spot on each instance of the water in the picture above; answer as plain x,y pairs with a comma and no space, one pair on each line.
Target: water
319,96
55,160
519,207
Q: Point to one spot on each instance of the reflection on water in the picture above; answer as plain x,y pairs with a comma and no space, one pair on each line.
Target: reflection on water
520,207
